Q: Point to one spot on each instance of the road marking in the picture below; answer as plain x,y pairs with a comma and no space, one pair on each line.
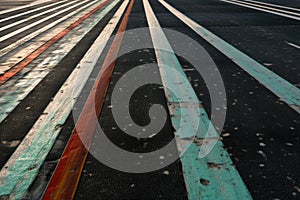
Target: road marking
266,7
8,62
17,88
21,169
9,74
274,5
22,7
283,89
7,36
224,180
293,45
42,30
256,7
33,16
65,179
30,11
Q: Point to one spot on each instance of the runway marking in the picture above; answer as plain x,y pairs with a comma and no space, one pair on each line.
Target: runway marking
7,36
260,8
65,179
21,169
274,5
293,45
30,11
39,31
33,16
9,74
224,181
283,89
22,7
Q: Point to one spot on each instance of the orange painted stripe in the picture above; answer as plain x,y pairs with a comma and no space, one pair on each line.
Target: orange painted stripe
64,182
27,60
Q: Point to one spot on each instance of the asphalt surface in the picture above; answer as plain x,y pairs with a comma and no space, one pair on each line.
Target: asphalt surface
260,133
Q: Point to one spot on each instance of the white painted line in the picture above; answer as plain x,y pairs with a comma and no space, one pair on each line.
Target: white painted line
39,140
17,88
261,9
22,7
283,89
266,7
28,12
45,28
274,5
38,22
293,45
32,17
9,62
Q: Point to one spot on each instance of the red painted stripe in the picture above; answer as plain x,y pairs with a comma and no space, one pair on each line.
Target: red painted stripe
27,60
64,182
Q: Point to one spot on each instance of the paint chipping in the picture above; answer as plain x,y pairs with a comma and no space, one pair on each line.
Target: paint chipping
202,141
190,105
204,181
215,165
58,126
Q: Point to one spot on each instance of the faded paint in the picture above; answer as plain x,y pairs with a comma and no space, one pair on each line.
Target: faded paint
21,169
202,180
65,179
17,88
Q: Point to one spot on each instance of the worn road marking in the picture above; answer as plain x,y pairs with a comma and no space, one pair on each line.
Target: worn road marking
30,11
283,89
17,88
22,7
65,179
16,32
267,9
42,30
9,74
9,61
33,16
223,181
21,169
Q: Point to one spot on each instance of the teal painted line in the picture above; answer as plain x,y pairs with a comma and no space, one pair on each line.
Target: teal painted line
210,177
213,177
24,169
283,89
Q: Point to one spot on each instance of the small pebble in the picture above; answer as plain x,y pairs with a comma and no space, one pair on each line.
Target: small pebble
262,144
